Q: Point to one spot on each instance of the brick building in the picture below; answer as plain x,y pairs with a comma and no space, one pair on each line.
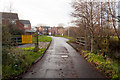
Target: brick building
11,18
46,30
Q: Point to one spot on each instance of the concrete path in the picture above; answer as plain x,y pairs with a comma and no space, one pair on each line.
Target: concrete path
62,61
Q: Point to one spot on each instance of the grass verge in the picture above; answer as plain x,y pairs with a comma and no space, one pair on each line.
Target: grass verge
18,61
42,38
109,67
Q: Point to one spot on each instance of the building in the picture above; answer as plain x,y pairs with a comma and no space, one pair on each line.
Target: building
60,31
54,31
26,24
8,18
11,19
27,27
45,30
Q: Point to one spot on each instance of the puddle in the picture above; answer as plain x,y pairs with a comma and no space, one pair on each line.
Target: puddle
64,56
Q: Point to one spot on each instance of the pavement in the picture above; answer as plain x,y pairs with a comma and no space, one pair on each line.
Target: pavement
62,61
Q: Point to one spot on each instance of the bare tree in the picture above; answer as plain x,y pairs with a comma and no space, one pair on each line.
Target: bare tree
87,13
111,10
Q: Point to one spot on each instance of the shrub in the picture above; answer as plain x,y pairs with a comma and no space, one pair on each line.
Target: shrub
18,60
6,36
15,31
114,44
106,65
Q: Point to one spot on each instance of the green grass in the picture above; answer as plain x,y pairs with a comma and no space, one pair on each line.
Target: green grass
19,60
42,38
105,64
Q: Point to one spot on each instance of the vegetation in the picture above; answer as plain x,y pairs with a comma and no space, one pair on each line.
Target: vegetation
18,60
104,56
5,36
97,21
42,38
114,37
105,64
8,32
13,30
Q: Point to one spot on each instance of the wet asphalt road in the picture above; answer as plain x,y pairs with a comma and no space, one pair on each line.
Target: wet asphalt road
62,61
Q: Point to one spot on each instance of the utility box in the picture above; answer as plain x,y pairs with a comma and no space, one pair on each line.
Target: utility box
26,39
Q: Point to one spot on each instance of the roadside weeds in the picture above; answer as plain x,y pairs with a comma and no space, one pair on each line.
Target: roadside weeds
104,65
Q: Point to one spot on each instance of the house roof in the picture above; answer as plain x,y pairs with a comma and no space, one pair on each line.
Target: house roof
6,15
25,21
30,31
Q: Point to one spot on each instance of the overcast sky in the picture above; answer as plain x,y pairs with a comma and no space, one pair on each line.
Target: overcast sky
49,12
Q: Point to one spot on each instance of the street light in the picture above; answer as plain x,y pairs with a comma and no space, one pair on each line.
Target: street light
36,44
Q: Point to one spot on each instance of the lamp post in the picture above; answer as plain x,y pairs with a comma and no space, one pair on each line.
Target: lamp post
36,44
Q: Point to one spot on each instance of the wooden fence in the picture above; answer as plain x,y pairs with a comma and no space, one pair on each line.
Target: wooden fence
16,40
84,42
81,41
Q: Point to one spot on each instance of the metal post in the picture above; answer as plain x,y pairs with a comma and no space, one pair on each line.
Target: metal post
37,38
36,44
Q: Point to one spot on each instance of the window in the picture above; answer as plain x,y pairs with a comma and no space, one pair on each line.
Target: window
13,22
49,28
26,26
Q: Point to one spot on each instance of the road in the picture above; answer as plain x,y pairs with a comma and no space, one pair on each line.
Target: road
62,61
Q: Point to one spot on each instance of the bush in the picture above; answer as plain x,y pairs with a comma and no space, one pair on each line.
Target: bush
18,60
106,65
15,31
8,32
114,44
107,45
5,36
